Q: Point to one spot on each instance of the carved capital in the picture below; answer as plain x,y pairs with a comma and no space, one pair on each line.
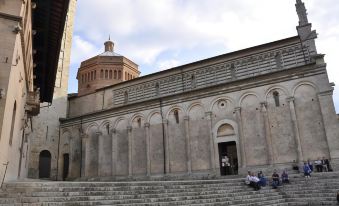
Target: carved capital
237,109
98,133
326,93
290,99
186,118
147,125
129,128
113,131
165,121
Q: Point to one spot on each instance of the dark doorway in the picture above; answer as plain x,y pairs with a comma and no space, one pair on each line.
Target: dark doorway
66,166
45,164
228,159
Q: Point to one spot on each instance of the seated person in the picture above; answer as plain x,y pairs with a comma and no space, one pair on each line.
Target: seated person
254,181
275,180
262,179
247,181
284,177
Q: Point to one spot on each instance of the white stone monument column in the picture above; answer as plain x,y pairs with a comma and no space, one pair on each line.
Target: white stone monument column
188,146
148,149
130,147
270,157
166,149
237,111
211,142
295,127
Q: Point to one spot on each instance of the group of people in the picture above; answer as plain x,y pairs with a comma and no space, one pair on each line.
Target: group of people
261,181
321,165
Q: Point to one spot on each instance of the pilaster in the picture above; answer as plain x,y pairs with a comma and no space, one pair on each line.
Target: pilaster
188,145
237,111
270,157
148,149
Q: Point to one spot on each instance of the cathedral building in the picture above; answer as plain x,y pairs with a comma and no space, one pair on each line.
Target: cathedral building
263,107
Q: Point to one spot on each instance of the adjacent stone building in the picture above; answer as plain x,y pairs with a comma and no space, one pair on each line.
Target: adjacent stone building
30,41
263,107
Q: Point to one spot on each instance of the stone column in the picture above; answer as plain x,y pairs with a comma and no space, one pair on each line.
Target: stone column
166,149
114,149
268,137
295,127
330,122
100,151
211,142
84,139
237,111
130,147
148,149
188,146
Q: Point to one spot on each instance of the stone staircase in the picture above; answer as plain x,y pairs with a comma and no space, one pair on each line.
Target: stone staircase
319,190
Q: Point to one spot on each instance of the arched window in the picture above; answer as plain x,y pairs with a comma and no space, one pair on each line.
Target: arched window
276,98
102,74
115,74
119,74
110,74
176,116
139,122
12,124
126,97
106,74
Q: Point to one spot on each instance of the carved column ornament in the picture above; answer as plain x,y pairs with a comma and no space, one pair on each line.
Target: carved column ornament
268,137
211,142
237,111
166,149
295,127
130,147
148,148
188,145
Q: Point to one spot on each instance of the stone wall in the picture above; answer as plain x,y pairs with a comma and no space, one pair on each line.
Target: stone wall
179,134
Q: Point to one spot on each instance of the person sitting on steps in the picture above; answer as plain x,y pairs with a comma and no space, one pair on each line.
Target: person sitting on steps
275,180
284,177
262,179
254,181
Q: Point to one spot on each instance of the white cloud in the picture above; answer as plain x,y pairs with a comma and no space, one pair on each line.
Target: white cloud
166,64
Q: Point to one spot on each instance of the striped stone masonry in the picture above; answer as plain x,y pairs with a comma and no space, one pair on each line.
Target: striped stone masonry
283,58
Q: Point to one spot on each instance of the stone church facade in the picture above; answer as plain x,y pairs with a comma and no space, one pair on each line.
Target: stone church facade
263,107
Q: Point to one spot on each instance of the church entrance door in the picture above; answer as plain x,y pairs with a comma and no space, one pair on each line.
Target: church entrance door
45,164
66,166
228,160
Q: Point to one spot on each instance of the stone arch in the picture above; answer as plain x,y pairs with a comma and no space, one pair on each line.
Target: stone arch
279,123
105,148
156,134
91,150
253,129
121,145
134,120
90,126
310,121
103,126
45,158
277,87
150,115
199,141
304,83
176,107
243,96
226,140
215,100
194,104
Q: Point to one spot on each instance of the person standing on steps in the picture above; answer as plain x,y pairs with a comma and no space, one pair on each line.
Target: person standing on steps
318,165
307,170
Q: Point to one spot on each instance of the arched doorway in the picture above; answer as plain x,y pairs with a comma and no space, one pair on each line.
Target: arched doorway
45,164
65,166
226,139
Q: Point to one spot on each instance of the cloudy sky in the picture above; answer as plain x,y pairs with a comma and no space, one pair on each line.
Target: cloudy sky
160,34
